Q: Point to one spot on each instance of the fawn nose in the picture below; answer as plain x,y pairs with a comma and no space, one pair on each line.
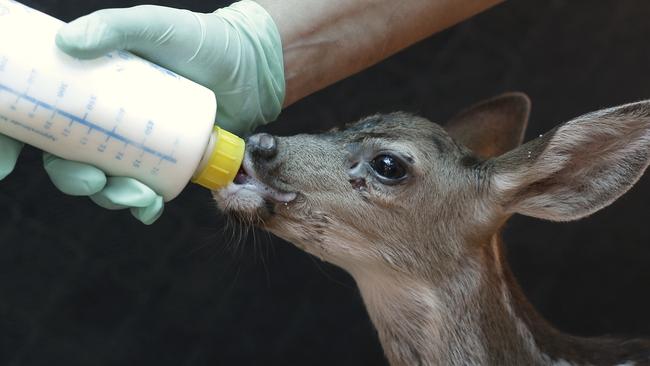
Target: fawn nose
262,145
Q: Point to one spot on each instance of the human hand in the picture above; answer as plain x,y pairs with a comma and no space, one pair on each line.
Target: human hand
85,180
235,51
9,151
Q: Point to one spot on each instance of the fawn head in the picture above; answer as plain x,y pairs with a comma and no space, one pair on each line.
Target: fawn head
398,192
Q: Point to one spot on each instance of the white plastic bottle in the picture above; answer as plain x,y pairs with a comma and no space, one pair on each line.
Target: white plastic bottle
120,113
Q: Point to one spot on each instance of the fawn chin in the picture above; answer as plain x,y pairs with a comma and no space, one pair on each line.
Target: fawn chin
413,211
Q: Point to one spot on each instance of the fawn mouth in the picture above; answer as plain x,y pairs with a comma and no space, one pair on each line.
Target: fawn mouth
248,180
249,195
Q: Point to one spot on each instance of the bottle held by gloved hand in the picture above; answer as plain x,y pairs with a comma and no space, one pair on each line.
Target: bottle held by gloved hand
235,52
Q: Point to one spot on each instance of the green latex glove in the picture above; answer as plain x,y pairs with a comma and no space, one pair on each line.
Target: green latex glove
9,151
235,51
116,193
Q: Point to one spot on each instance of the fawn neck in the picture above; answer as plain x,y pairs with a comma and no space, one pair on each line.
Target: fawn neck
476,316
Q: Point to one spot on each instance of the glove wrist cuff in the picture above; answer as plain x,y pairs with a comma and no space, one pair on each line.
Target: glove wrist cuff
258,30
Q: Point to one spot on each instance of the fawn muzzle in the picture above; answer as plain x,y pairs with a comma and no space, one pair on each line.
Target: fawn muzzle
253,193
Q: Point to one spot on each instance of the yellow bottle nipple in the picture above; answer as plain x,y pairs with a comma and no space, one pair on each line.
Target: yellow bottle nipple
224,162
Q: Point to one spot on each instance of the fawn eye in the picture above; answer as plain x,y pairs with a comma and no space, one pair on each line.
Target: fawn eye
388,167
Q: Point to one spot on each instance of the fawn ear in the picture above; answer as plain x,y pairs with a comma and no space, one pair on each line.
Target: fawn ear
578,167
493,126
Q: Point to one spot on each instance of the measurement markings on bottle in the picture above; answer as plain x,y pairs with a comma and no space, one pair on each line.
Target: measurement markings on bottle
22,97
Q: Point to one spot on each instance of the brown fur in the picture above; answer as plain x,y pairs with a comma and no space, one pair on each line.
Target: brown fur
425,250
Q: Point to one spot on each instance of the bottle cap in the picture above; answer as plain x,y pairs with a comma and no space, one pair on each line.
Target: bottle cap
224,163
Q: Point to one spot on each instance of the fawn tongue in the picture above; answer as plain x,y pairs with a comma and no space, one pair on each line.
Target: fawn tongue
241,176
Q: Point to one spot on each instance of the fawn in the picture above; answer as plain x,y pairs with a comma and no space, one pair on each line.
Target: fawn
413,212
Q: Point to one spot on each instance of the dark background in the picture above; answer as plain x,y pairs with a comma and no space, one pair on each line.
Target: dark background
84,286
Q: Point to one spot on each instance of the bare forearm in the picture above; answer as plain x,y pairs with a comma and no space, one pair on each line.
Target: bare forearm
327,40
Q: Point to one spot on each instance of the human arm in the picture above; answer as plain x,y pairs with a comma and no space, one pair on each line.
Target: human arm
326,41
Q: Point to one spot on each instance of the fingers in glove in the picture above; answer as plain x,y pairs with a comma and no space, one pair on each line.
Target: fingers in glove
154,32
124,192
148,215
73,178
9,151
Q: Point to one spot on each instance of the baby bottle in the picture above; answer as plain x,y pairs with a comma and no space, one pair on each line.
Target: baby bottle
120,113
